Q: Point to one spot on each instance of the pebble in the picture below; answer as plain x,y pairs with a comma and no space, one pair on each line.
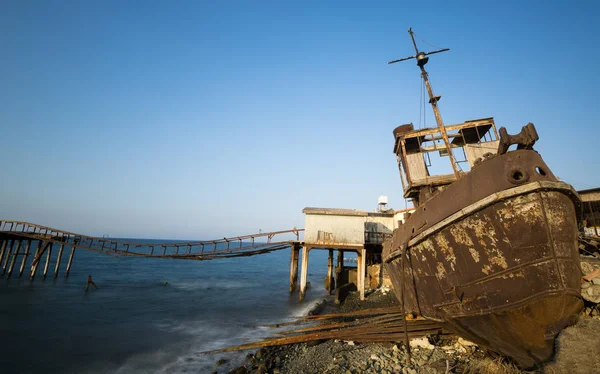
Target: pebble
465,343
592,293
421,343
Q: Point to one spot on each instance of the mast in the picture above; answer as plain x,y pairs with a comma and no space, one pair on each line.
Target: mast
422,59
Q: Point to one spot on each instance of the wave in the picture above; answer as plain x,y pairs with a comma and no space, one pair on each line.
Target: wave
185,355
212,284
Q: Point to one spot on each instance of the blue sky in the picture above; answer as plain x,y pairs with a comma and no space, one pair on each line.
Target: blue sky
210,119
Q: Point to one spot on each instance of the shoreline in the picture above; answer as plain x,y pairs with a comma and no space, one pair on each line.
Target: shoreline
430,354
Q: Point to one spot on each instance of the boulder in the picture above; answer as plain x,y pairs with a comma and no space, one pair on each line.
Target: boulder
592,293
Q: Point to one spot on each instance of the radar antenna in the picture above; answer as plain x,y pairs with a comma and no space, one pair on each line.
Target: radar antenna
422,59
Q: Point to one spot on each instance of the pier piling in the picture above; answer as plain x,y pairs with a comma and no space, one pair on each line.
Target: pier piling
329,281
25,258
339,268
295,255
14,259
360,275
70,261
60,251
304,273
340,258
4,243
48,254
36,259
8,253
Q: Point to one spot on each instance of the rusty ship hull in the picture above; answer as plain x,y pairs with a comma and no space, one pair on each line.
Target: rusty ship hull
493,256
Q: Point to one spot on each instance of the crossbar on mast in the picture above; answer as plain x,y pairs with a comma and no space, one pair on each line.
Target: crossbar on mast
422,59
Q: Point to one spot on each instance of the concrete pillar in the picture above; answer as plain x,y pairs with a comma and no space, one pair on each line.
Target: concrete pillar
60,251
360,275
14,259
3,250
48,254
304,273
329,281
70,261
295,255
25,258
340,258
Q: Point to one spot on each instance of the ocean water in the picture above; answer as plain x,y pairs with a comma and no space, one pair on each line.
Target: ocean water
134,324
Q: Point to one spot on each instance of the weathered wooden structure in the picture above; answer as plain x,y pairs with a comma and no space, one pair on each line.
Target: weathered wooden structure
19,239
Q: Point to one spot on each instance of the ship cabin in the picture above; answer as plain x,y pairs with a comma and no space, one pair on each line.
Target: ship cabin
590,211
423,157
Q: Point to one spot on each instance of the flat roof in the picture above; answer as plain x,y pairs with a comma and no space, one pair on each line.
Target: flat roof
591,190
345,212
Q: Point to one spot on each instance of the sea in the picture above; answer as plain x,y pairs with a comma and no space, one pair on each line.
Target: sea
147,315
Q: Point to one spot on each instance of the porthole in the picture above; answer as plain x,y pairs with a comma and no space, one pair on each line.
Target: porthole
517,176
540,171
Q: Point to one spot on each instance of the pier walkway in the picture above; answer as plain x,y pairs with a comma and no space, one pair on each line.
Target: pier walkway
17,239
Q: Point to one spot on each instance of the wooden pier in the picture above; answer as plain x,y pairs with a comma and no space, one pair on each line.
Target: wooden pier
334,230
17,240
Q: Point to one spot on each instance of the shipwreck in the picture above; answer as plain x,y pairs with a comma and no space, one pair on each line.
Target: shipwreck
491,250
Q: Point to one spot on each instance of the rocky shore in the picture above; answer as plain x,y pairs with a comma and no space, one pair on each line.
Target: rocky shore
578,351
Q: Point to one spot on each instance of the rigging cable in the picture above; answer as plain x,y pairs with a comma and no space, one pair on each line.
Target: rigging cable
429,44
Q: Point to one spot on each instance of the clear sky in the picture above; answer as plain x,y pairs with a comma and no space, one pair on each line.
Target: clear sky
193,120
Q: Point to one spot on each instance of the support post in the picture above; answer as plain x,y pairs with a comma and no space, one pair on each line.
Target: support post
362,255
329,281
4,245
70,261
340,258
304,273
60,251
295,255
14,259
339,268
36,259
48,254
8,253
25,258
